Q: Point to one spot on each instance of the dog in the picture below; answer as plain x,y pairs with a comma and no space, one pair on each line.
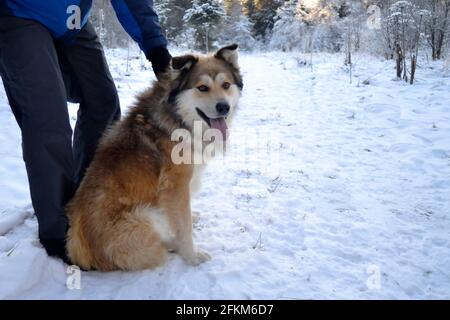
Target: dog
133,205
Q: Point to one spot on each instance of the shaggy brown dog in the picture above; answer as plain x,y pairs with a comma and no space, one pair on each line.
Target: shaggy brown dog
133,204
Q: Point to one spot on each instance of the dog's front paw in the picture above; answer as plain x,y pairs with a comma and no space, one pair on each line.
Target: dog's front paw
202,256
197,258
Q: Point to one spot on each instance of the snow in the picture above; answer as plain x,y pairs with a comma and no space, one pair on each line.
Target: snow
349,196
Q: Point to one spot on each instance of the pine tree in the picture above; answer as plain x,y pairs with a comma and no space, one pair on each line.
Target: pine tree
249,8
205,17
238,28
163,9
287,31
171,14
263,17
229,5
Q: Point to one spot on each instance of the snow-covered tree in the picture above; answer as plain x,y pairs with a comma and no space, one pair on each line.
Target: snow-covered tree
104,20
437,25
288,28
205,17
163,8
238,28
261,14
171,14
404,22
318,25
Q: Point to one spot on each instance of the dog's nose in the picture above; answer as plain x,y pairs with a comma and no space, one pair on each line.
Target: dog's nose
223,108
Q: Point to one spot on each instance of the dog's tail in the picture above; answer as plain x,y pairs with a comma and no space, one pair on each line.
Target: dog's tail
78,247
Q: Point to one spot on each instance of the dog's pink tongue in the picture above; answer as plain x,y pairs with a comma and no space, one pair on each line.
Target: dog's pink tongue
221,125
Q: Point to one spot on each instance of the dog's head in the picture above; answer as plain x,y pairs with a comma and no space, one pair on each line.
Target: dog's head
207,88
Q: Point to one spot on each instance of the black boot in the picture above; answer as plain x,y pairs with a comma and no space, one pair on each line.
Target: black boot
56,248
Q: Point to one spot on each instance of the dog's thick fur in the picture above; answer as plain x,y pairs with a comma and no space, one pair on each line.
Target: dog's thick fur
133,204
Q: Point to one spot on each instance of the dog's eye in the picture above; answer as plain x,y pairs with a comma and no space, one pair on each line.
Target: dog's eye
226,85
203,88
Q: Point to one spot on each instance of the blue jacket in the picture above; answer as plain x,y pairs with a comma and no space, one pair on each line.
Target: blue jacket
136,16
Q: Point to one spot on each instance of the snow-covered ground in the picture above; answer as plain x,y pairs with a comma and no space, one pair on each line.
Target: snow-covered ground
349,196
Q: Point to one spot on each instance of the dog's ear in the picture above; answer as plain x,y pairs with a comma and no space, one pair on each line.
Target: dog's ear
229,54
184,62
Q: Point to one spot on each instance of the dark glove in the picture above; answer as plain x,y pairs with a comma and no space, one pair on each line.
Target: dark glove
160,59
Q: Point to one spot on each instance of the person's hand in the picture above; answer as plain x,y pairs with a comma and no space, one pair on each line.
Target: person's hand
160,59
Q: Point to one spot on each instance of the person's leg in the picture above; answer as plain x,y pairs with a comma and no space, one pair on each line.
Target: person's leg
99,105
32,78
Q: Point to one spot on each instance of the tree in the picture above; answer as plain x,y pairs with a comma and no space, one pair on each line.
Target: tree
320,25
171,14
238,28
163,9
206,18
287,31
249,8
437,25
264,17
261,14
405,22
105,22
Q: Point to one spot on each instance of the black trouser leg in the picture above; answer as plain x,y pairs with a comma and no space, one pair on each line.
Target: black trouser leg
32,78
84,60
